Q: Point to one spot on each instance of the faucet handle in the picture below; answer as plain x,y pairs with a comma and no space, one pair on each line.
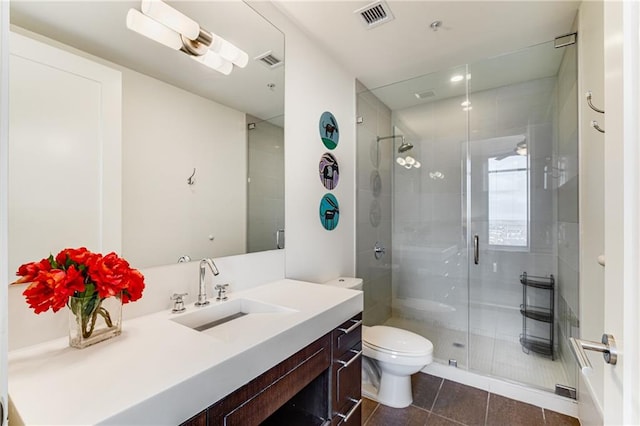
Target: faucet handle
178,302
222,291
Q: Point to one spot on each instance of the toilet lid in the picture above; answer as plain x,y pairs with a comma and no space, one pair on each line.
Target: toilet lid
396,340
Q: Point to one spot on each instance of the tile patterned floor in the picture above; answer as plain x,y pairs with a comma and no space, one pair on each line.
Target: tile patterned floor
439,402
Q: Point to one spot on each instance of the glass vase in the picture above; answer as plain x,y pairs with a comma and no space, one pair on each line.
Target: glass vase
92,320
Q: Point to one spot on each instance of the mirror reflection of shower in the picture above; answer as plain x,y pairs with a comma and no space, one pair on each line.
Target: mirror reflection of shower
407,161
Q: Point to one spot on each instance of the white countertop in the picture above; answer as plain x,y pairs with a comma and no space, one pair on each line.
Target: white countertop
161,372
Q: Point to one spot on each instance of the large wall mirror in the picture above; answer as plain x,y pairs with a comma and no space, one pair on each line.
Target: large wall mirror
202,153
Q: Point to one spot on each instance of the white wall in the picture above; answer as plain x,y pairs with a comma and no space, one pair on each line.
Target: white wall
167,132
315,83
591,311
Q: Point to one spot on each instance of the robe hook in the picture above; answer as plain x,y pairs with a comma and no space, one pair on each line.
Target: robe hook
191,180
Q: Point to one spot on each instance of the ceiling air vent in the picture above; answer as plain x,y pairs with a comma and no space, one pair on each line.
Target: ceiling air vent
374,14
425,95
269,60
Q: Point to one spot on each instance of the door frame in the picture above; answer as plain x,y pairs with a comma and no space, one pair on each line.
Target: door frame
622,209
4,175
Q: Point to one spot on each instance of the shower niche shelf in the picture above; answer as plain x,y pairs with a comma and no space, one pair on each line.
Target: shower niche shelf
538,295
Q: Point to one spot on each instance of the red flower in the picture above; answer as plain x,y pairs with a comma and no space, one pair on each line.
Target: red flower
28,271
78,272
80,256
134,287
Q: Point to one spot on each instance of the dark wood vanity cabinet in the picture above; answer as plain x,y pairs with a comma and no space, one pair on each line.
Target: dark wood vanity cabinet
346,372
318,385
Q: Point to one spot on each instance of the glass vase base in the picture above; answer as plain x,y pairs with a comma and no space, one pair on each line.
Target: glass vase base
80,342
93,320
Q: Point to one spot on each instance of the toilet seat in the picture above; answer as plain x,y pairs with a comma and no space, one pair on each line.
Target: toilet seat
396,342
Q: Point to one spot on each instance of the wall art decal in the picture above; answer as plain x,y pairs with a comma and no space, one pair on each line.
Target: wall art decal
329,212
375,213
376,183
329,131
329,171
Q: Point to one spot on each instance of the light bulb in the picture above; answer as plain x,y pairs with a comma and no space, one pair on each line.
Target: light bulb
456,78
165,14
410,160
154,30
401,161
417,165
466,103
407,166
229,52
214,61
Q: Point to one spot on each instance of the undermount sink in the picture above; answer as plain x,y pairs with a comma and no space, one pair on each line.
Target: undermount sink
218,313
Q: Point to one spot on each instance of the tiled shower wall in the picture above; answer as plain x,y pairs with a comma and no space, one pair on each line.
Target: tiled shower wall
374,204
430,249
266,184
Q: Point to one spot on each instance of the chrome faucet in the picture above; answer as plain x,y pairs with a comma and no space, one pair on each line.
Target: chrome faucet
202,293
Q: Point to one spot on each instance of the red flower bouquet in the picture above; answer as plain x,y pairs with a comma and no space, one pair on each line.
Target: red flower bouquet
83,281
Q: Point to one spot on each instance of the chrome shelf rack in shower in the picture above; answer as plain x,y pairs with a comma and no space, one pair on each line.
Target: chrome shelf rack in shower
533,308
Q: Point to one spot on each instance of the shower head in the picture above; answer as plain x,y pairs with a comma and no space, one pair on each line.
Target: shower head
404,146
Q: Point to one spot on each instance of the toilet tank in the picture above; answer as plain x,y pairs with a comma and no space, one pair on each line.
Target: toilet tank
346,282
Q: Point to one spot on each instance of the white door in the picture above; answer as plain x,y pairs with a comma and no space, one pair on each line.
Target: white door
4,138
622,211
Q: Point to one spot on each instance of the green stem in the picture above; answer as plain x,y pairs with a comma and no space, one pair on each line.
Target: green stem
105,314
88,322
91,320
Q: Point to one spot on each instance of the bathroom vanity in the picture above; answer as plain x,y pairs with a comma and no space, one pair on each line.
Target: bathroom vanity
295,351
318,385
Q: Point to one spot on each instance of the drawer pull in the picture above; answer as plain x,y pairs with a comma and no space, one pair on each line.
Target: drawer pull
345,364
346,417
357,323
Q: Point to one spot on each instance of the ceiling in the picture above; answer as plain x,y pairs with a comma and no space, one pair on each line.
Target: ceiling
401,49
407,47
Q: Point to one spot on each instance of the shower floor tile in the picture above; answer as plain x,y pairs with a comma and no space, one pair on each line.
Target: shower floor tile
497,357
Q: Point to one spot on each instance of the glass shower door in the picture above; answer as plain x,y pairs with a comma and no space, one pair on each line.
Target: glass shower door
520,133
430,212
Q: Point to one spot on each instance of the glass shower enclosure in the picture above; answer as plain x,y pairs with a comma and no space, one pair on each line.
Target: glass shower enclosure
479,218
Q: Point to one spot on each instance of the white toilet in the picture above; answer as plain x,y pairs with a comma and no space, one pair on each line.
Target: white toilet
392,355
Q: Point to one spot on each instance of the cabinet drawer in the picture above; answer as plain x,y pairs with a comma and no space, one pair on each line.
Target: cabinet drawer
352,415
348,378
347,335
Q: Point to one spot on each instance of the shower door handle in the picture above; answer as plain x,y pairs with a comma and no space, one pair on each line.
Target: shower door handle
476,249
279,234
607,347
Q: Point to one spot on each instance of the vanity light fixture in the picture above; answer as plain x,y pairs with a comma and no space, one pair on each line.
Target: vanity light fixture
165,25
